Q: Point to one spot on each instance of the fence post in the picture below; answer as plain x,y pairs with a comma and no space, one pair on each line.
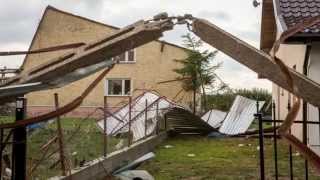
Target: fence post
19,143
105,135
1,141
290,147
145,119
60,138
129,133
165,122
261,145
275,148
157,118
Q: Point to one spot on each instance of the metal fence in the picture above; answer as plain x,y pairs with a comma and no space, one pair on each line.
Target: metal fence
275,141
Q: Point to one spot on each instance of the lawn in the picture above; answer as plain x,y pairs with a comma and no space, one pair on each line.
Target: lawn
83,142
190,157
195,158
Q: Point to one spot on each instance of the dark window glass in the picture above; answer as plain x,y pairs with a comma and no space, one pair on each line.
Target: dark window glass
131,55
115,87
127,87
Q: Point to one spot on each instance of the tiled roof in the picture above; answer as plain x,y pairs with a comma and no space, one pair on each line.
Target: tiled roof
294,11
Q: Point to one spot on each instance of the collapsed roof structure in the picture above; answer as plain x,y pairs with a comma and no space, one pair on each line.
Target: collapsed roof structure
89,58
237,120
144,112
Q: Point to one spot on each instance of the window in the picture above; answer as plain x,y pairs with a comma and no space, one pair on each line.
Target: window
118,87
127,57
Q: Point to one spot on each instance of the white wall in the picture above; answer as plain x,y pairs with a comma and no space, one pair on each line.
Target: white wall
313,112
291,55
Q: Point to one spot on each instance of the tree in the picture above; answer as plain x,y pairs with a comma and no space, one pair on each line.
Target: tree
197,69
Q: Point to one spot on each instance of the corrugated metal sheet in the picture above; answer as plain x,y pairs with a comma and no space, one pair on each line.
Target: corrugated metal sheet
240,116
114,126
184,121
214,118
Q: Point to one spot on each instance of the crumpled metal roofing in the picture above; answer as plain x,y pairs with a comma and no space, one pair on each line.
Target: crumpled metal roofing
115,126
214,118
240,116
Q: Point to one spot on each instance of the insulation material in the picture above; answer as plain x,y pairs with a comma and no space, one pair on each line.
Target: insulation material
240,116
214,118
118,122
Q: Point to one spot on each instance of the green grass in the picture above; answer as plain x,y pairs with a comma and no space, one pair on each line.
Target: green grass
214,158
218,159
82,138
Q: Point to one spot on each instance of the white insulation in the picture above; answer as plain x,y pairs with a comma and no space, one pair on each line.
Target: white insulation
138,106
240,116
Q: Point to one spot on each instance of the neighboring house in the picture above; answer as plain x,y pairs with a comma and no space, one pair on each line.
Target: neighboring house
140,68
301,52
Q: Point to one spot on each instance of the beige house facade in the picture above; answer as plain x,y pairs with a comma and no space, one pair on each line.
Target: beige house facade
300,52
138,70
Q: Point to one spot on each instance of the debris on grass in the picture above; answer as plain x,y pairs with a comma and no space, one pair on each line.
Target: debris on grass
134,174
191,155
168,146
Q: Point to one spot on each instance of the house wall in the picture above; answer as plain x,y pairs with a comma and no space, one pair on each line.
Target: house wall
152,66
312,111
291,55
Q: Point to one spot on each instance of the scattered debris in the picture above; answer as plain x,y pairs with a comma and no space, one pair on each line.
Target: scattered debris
168,146
120,144
118,122
214,118
135,163
134,175
240,116
215,134
191,155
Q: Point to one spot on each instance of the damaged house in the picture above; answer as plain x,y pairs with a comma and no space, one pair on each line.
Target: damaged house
300,52
138,69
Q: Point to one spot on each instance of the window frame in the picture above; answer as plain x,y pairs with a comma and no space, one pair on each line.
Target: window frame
126,57
106,92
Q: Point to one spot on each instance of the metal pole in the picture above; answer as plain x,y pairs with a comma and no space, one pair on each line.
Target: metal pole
19,148
145,119
1,151
60,138
129,134
165,122
157,118
105,136
290,147
275,148
261,146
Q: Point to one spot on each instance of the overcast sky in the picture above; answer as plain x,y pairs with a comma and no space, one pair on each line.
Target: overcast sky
19,20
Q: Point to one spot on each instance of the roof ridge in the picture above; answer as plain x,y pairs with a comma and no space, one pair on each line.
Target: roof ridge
49,7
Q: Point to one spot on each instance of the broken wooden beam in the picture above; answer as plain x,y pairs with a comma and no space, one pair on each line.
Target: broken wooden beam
256,60
87,59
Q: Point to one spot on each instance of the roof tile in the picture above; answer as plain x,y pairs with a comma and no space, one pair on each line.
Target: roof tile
295,11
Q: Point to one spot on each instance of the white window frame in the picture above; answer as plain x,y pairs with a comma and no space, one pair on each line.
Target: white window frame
106,92
126,57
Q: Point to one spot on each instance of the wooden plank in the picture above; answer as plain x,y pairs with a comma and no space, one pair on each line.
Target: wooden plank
256,60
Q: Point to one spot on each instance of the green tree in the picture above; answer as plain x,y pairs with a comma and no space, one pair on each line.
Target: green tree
198,69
